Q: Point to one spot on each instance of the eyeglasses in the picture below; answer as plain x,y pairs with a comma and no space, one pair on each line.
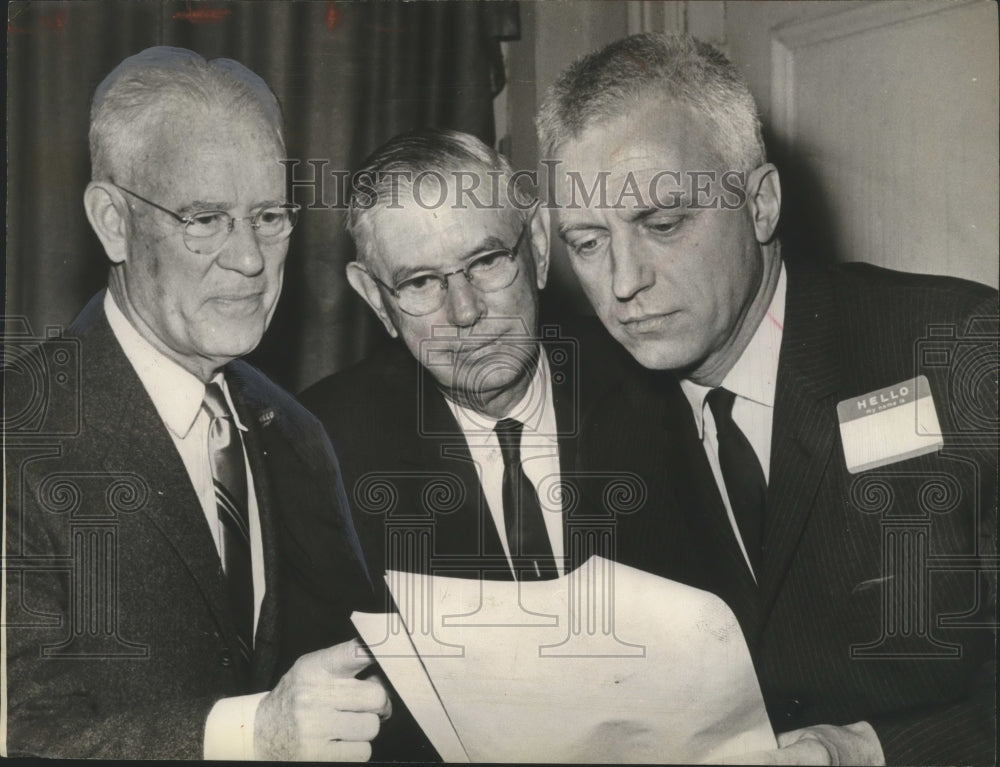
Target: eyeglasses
487,272
206,231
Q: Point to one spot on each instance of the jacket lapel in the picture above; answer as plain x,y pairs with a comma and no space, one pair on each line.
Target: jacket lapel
568,410
140,444
469,531
805,425
265,647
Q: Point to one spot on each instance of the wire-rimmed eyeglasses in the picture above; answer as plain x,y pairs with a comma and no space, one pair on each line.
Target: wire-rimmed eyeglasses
487,272
206,231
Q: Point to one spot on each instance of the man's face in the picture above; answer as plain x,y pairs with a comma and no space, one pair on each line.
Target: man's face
204,310
671,282
480,347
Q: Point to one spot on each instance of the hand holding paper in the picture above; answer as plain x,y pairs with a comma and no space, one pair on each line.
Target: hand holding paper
607,664
320,711
821,744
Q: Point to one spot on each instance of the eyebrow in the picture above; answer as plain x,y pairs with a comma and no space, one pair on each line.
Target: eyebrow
683,203
484,245
566,229
637,216
642,215
199,206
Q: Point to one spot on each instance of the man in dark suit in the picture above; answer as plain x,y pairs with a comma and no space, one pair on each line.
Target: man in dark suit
790,431
455,444
170,511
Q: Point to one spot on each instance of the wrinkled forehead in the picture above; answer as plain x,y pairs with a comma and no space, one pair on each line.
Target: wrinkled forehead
648,136
192,145
459,188
418,229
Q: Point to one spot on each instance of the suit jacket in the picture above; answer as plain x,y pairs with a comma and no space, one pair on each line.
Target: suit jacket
119,635
410,477
876,592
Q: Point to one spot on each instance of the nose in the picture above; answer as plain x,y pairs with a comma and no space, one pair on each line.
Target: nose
464,303
242,251
630,271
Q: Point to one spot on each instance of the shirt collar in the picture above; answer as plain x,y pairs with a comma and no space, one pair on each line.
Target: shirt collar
177,395
535,410
755,374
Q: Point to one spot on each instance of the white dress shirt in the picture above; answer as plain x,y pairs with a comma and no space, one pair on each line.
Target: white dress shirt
753,380
177,396
539,454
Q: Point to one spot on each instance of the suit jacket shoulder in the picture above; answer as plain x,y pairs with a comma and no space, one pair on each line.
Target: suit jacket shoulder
407,467
384,385
854,328
878,307
399,443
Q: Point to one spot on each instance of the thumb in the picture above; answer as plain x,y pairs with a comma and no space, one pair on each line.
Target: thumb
344,660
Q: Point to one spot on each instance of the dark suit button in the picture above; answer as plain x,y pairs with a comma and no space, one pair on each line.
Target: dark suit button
226,659
792,709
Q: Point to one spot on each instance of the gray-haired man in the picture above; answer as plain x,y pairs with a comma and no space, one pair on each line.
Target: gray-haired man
456,442
162,547
756,489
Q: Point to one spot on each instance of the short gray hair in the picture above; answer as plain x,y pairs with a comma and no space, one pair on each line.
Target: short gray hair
392,168
144,88
602,84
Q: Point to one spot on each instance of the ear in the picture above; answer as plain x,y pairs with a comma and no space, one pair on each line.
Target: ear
764,201
106,213
368,289
540,244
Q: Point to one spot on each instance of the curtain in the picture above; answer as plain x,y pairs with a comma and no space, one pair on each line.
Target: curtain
348,75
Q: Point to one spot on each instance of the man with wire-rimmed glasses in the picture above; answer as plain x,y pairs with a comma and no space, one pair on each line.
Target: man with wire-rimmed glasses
160,551
454,442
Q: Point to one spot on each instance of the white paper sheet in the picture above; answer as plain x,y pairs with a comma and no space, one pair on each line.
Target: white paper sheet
401,664
607,664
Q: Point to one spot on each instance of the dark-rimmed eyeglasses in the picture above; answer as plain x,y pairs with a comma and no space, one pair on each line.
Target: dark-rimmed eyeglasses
206,231
487,272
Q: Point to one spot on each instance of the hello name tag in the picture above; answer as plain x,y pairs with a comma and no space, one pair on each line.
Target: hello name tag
889,425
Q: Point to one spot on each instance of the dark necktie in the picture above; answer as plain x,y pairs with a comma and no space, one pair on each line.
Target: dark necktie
742,473
530,550
225,450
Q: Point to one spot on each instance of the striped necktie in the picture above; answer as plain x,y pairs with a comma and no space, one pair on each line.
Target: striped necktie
229,477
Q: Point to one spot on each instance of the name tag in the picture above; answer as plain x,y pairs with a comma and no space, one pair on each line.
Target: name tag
889,425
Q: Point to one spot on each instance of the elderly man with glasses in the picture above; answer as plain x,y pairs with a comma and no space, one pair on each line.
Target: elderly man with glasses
455,444
177,514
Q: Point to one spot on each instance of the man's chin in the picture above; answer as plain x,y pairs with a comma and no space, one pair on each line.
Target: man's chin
483,391
661,355
230,349
491,366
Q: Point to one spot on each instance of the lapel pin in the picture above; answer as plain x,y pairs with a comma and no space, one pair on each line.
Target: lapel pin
266,417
